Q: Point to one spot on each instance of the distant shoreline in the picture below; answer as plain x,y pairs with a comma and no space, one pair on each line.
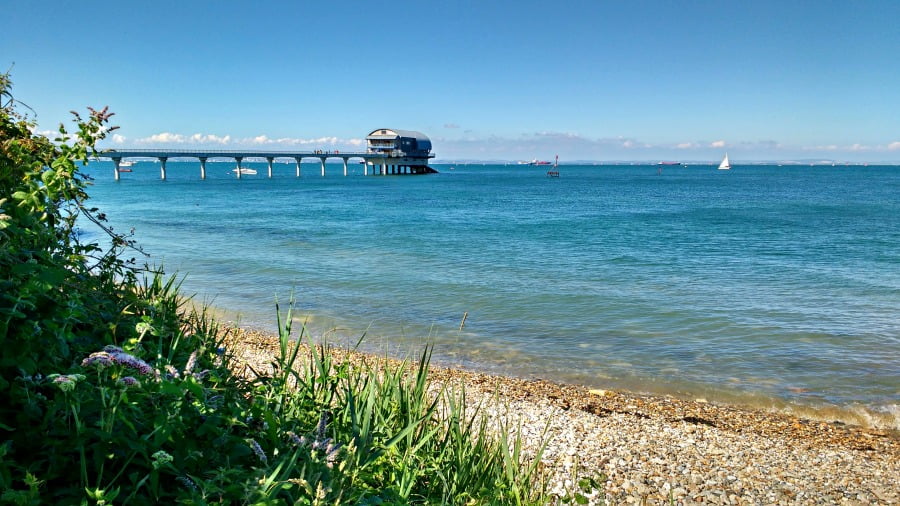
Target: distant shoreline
684,163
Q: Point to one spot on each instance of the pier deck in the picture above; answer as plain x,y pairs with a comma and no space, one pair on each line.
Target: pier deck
381,163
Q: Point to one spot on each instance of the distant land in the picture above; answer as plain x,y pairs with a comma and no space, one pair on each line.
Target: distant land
815,162
523,163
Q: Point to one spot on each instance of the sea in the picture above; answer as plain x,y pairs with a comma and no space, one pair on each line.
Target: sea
776,287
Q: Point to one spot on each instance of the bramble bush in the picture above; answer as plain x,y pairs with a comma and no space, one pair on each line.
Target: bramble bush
114,389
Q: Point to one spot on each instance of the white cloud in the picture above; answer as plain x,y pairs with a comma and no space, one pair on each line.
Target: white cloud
210,139
164,137
173,138
50,134
539,144
254,142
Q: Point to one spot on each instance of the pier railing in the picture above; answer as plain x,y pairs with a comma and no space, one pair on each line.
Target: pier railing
394,162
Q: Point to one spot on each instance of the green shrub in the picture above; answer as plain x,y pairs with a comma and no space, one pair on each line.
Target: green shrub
114,390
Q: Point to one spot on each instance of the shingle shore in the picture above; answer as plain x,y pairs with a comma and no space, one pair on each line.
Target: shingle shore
660,449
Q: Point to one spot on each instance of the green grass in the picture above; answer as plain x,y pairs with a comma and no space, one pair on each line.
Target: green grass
164,417
114,389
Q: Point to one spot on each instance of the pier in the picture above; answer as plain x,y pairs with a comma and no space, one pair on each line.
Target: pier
388,152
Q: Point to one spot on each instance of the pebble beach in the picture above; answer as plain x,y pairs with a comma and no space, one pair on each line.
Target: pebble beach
640,449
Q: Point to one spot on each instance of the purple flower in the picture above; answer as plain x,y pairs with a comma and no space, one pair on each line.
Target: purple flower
298,441
115,355
323,422
100,359
132,362
331,453
258,450
187,483
171,372
191,363
129,381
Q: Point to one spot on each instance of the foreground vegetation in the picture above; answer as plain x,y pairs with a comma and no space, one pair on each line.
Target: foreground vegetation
113,390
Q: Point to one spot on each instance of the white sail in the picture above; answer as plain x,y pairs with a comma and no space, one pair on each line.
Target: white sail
725,165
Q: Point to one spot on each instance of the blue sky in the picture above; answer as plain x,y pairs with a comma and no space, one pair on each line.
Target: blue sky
598,80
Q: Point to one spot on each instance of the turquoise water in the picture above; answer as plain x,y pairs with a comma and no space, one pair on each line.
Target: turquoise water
775,286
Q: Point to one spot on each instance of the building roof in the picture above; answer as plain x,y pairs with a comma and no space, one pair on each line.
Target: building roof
393,133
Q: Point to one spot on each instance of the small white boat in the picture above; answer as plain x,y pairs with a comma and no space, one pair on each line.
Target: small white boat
725,165
244,171
126,163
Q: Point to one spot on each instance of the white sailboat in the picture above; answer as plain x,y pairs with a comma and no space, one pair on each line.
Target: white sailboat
725,165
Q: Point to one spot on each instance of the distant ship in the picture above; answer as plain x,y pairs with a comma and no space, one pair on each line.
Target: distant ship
539,162
669,163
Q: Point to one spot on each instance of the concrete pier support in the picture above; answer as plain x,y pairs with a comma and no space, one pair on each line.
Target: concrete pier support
298,166
345,166
238,159
117,161
270,160
162,167
365,168
322,162
202,168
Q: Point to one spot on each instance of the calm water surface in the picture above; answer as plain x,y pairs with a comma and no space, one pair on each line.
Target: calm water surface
775,286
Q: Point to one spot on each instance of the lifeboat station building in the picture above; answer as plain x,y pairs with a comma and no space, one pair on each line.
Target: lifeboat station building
405,151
